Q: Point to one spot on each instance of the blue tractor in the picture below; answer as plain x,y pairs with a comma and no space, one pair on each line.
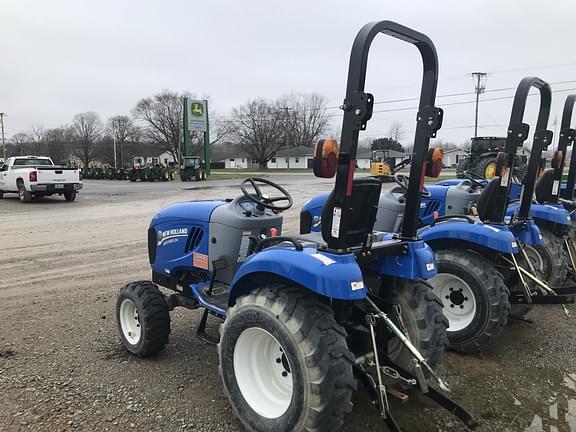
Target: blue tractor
485,268
305,318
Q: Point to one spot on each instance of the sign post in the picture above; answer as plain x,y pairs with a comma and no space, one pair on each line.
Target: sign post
196,120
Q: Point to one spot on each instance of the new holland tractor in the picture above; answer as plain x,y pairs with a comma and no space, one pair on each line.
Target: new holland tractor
486,266
306,317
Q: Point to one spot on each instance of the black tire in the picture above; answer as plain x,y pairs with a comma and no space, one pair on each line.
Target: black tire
425,324
70,196
490,297
197,176
1,194
203,175
153,318
488,161
314,346
462,167
23,194
554,257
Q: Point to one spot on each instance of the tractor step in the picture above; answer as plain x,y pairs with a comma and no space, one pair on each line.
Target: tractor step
218,296
201,330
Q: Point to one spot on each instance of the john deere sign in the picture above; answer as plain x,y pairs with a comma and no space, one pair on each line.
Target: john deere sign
196,115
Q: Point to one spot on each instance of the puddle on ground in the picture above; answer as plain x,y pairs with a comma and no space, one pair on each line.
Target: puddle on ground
560,414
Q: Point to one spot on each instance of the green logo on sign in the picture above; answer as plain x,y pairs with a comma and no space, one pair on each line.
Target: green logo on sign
197,109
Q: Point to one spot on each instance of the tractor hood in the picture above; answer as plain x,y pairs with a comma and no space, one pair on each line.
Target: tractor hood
192,210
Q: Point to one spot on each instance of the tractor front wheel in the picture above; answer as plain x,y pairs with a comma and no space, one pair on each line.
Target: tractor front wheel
142,318
475,298
284,362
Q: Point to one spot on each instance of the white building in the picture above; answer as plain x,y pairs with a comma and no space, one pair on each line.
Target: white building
236,162
452,157
165,158
292,158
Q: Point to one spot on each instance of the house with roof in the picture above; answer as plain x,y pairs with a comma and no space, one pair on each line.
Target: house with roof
452,157
292,158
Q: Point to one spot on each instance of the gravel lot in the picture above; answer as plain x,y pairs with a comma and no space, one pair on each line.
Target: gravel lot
62,366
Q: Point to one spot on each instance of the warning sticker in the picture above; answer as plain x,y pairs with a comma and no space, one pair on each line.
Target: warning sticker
555,187
336,216
323,259
200,260
357,285
244,246
505,177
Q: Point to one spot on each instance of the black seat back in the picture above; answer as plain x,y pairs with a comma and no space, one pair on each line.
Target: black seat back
341,233
543,188
490,200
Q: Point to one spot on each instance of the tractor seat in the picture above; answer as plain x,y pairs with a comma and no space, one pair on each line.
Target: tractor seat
358,221
543,188
490,200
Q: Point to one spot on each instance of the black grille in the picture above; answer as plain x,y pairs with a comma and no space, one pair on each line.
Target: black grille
431,207
194,238
152,240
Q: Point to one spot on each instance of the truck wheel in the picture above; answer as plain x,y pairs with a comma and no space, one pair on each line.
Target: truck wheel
70,196
475,298
554,257
23,194
421,313
284,362
142,318
487,167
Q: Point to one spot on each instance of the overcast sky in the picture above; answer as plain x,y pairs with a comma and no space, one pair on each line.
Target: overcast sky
62,57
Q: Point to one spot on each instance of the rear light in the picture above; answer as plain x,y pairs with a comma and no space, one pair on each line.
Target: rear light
33,176
273,232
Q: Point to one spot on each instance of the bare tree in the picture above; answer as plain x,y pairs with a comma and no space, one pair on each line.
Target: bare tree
20,141
87,130
37,137
123,130
259,129
162,117
305,118
58,143
396,131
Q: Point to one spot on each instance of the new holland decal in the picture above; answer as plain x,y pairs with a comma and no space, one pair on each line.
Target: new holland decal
171,236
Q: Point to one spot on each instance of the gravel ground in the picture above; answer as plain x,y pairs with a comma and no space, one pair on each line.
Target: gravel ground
62,366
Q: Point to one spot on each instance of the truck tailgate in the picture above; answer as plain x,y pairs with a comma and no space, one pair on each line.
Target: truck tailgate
57,175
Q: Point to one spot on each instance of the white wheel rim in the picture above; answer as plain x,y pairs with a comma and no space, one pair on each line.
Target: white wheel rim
535,257
130,321
457,298
263,372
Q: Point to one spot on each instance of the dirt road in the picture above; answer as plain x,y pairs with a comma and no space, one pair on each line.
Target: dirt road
62,366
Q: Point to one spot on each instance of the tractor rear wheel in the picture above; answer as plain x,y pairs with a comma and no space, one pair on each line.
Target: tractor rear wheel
142,318
475,298
284,362
462,167
554,258
197,176
421,313
487,167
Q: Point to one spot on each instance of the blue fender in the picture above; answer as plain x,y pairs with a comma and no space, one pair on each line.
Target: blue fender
314,208
528,233
330,275
546,212
487,236
417,262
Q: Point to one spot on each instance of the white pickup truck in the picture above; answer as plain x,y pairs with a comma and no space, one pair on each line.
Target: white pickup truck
37,176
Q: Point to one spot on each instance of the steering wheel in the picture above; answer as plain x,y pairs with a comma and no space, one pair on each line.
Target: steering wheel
263,200
474,178
404,180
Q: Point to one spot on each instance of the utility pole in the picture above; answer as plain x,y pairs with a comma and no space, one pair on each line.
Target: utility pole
3,138
479,87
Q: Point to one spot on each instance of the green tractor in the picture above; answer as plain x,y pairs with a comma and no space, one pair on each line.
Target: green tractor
192,168
481,160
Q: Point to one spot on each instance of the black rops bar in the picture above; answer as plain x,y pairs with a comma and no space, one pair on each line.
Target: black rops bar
517,134
542,139
358,110
567,136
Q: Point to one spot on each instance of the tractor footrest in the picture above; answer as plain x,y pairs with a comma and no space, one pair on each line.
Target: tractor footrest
218,296
543,299
201,330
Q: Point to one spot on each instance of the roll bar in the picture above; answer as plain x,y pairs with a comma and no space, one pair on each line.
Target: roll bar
567,136
358,106
518,133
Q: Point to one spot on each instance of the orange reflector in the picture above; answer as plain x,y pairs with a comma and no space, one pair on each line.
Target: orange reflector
273,232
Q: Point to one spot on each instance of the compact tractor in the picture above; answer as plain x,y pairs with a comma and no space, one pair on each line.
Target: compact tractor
192,168
306,317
